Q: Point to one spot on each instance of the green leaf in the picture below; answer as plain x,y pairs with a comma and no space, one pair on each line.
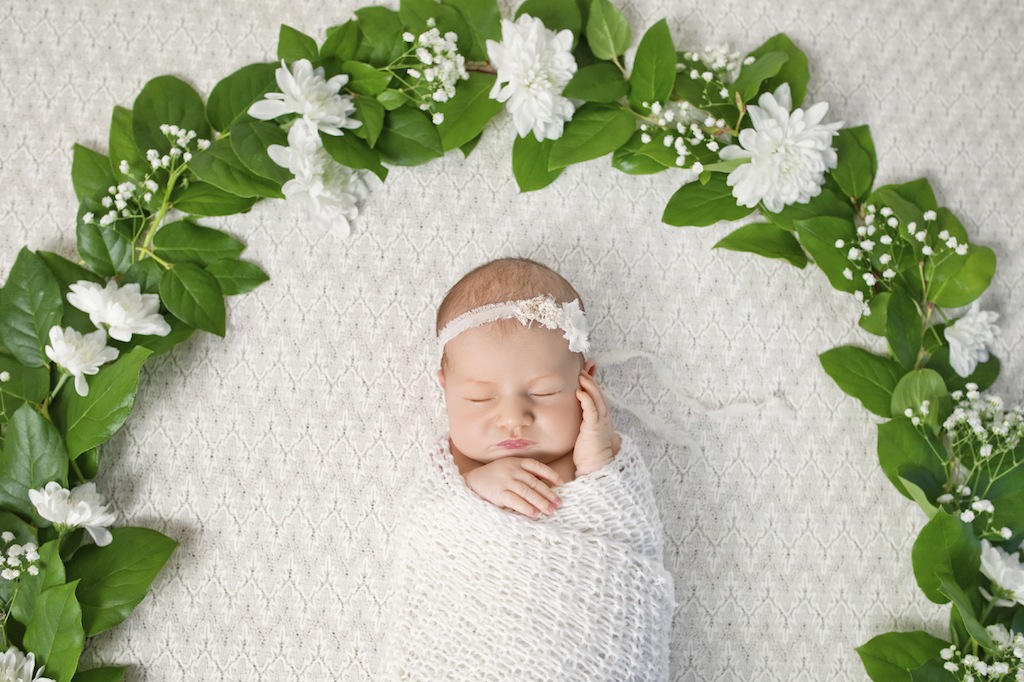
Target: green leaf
392,99
185,242
891,656
24,385
608,31
236,276
415,14
468,148
901,444
794,71
107,249
945,548
166,99
468,112
382,36
250,140
371,113
629,159
966,283
699,205
818,236
342,41
595,130
903,328
114,579
219,165
55,634
232,96
875,322
30,306
483,20
932,671
107,674
922,487
158,345
293,45
869,378
349,150
962,602
601,82
530,163
122,145
91,174
51,574
826,204
409,138
88,421
33,455
146,273
855,172
557,15
203,199
984,375
917,386
654,67
1007,495
193,296
364,78
766,240
765,66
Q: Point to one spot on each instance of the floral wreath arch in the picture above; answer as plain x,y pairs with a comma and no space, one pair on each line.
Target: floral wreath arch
60,406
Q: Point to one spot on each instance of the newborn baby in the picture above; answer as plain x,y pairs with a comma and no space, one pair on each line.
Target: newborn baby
524,411
569,586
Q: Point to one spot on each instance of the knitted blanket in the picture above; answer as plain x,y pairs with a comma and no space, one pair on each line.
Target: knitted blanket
484,594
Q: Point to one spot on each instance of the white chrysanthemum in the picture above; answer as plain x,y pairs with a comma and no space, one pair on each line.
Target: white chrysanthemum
1004,570
534,65
305,91
577,329
123,310
969,339
79,354
82,507
18,667
328,189
789,153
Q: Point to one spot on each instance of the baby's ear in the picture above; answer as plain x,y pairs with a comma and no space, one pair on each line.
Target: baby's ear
440,378
590,367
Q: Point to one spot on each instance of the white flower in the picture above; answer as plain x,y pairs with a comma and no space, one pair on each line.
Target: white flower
305,91
79,354
999,634
124,311
82,507
789,153
577,330
1004,570
930,215
17,667
969,339
534,65
5,376
328,189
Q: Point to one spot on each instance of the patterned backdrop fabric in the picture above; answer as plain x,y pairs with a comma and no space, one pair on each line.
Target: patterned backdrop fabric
275,456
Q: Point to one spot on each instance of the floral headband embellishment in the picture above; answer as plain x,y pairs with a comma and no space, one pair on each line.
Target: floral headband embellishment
568,317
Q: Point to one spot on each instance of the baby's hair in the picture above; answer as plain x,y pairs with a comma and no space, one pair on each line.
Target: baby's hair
504,279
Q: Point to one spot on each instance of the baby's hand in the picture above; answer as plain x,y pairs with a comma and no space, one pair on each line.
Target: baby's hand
597,443
515,483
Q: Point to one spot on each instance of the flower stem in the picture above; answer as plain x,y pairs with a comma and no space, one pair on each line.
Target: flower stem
78,472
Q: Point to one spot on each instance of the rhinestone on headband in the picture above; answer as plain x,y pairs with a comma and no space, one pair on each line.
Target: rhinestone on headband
568,317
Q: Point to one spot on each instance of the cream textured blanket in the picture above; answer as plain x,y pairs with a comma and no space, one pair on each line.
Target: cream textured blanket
484,594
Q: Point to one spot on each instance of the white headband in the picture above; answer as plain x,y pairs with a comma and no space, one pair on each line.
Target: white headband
568,317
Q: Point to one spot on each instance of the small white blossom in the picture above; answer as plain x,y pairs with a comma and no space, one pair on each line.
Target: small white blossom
123,311
886,211
967,516
885,239
853,254
869,279
983,507
926,250
970,338
944,498
305,91
79,354
847,273
892,222
1005,533
929,215
697,167
534,65
840,244
5,376
82,507
986,450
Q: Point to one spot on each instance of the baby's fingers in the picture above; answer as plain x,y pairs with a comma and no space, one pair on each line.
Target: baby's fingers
541,470
595,394
522,498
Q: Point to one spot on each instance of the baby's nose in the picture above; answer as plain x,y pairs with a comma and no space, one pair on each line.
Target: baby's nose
515,413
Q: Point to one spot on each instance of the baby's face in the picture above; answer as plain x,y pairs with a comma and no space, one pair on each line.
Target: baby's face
512,392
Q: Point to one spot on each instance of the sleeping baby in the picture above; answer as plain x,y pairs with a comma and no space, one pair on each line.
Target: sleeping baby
529,547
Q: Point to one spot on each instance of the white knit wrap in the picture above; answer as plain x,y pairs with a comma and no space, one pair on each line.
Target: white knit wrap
485,594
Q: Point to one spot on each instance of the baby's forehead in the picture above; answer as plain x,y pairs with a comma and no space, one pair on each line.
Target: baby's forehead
490,347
